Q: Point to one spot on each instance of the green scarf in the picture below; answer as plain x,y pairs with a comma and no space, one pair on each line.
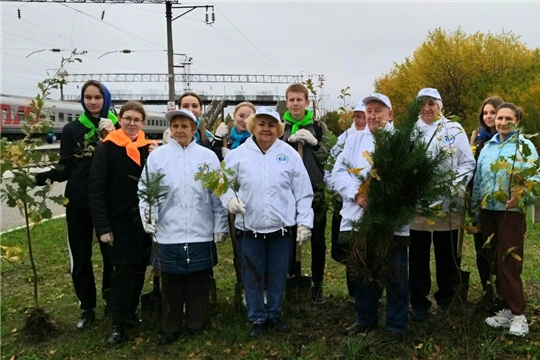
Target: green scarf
307,120
94,131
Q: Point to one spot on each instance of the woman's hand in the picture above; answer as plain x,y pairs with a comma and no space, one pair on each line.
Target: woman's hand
512,203
153,146
107,238
360,201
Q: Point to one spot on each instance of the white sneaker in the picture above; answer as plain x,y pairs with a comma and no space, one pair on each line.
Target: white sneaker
501,319
519,326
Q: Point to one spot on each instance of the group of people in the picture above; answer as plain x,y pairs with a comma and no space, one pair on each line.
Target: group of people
277,197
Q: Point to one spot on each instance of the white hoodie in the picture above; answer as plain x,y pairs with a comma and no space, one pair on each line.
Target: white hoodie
189,213
274,187
347,184
336,150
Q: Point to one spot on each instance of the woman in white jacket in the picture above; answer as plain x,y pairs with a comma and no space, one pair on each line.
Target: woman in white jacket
185,225
274,195
442,135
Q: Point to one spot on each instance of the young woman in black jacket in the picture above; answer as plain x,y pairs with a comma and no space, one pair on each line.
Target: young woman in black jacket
114,205
78,141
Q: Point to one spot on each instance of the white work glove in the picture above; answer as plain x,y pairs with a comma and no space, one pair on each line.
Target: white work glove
457,190
303,233
236,206
220,237
306,137
107,238
224,152
32,178
222,131
150,226
106,124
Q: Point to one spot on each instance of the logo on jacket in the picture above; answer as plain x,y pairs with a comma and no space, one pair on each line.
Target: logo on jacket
449,139
203,167
282,159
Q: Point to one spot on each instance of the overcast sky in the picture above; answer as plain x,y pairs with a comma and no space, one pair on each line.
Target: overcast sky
350,43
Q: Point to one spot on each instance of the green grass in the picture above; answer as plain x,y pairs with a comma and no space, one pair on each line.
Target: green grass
316,332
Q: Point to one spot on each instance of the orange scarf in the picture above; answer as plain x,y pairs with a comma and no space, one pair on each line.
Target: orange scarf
120,138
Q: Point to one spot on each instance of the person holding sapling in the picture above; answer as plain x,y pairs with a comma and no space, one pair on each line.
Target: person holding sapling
79,139
113,201
274,197
340,250
506,175
185,224
379,114
302,129
239,133
441,135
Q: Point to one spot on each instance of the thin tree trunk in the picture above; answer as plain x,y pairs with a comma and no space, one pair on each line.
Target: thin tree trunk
30,252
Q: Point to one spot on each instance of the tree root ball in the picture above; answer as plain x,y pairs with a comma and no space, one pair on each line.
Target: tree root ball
39,325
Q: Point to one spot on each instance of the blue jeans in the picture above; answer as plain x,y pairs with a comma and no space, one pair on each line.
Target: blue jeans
366,297
265,263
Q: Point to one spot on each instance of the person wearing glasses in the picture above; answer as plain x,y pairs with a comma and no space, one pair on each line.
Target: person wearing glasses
116,168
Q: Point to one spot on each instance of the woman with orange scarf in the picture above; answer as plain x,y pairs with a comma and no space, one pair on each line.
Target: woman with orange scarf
114,175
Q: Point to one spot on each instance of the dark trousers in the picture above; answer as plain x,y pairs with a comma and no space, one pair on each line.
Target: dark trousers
447,266
80,241
483,263
340,251
509,232
190,290
127,282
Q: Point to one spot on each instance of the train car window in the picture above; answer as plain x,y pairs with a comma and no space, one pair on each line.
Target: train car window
52,117
4,115
77,116
22,117
69,117
61,116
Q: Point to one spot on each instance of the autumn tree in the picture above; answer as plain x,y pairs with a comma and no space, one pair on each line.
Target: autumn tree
466,69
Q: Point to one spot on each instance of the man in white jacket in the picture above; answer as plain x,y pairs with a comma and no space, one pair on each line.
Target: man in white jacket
378,115
442,135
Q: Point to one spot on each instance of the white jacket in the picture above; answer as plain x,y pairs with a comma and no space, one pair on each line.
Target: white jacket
189,213
274,187
336,150
450,136
347,184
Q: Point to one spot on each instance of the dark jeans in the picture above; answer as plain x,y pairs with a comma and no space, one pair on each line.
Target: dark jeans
483,263
127,283
509,232
80,241
190,290
397,296
447,266
264,263
340,251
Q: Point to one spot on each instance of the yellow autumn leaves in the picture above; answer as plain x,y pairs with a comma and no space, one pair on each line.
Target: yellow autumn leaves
364,187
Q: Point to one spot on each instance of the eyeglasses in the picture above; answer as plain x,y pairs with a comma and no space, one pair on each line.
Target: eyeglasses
129,119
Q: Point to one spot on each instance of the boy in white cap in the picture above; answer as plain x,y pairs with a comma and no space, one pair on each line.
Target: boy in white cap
444,135
379,116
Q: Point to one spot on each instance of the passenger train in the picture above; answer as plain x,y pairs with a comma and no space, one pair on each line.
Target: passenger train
16,108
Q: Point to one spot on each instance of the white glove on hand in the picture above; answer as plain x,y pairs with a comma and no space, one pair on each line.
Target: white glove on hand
457,190
294,139
153,146
150,226
222,131
220,237
107,238
305,136
303,233
106,124
224,151
236,206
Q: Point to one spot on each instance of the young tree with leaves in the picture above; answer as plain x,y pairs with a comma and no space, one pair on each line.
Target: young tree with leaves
78,143
507,180
20,157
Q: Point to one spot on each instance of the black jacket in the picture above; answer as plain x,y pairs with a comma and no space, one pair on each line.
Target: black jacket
74,163
314,156
114,203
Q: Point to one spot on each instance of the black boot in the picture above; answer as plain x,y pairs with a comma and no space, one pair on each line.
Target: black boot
87,318
117,336
317,296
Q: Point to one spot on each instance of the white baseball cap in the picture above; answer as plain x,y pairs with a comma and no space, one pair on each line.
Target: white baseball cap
431,92
265,110
378,97
360,106
182,112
